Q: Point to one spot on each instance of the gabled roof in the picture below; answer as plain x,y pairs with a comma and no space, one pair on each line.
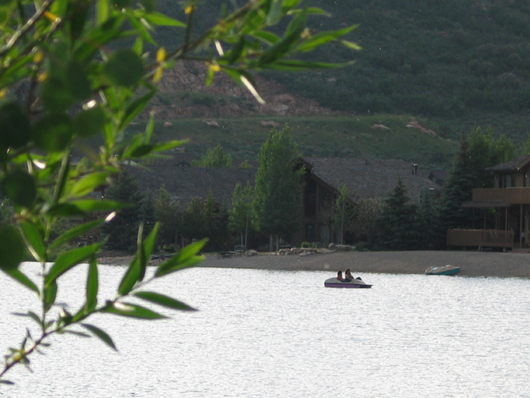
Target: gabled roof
513,165
368,178
185,182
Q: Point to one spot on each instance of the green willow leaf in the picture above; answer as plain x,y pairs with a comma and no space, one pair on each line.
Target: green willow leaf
266,37
149,243
89,122
6,382
131,277
92,286
135,108
34,240
50,294
19,187
23,279
124,68
14,126
102,11
11,248
322,38
132,311
156,18
173,266
89,183
70,259
103,336
53,132
73,233
187,257
65,210
163,300
90,205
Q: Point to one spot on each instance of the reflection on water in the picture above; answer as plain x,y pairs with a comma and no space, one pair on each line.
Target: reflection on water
282,334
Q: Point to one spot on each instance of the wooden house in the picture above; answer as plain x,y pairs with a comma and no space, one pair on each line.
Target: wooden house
510,200
363,179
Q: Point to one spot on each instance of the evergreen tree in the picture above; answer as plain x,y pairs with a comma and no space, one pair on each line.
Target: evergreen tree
239,217
122,230
215,157
169,216
147,213
399,222
429,221
206,219
277,205
457,189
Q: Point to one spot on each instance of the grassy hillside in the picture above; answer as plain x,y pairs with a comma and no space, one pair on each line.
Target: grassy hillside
460,63
325,137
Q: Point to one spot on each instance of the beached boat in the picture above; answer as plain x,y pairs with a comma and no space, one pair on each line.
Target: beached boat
355,284
443,270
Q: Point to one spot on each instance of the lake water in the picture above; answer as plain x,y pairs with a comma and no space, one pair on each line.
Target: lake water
269,334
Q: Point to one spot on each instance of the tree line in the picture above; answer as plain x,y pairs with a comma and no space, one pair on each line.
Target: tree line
273,207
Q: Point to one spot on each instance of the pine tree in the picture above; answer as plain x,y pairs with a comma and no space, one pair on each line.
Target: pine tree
277,205
399,222
122,230
457,189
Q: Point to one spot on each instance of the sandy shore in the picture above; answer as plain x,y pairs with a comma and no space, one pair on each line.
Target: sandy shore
486,264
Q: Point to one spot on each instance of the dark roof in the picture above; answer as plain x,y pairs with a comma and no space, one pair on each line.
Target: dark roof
368,178
512,165
184,182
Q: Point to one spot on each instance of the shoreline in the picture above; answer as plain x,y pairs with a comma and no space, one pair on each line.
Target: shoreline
471,263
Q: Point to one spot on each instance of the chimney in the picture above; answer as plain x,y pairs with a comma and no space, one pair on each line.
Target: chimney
414,168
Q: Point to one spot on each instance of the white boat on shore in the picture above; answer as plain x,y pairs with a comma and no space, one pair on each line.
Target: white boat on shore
443,270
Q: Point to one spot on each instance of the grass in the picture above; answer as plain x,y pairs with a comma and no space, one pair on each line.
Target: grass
352,136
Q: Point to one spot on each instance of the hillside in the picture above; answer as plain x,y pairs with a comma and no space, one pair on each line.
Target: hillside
460,63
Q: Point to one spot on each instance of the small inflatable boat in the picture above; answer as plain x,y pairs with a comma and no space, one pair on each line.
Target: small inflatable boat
357,283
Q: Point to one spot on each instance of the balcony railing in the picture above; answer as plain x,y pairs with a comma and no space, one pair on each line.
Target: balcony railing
511,195
480,238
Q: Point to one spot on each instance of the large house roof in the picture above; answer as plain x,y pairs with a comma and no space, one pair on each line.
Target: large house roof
368,178
512,165
185,182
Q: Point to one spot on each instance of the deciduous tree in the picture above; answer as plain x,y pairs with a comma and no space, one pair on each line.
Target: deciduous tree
277,202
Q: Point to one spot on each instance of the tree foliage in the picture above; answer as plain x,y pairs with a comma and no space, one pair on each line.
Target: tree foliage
168,214
277,205
240,215
456,190
121,230
343,213
72,70
398,222
215,157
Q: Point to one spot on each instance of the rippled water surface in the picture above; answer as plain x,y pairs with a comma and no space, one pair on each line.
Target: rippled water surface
282,334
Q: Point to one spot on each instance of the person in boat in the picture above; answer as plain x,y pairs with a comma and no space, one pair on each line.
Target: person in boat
348,277
339,276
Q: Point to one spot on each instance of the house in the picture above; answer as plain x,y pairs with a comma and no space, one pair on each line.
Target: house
510,200
363,179
185,182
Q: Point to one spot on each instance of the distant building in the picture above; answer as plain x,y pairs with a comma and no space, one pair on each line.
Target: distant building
510,198
363,179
